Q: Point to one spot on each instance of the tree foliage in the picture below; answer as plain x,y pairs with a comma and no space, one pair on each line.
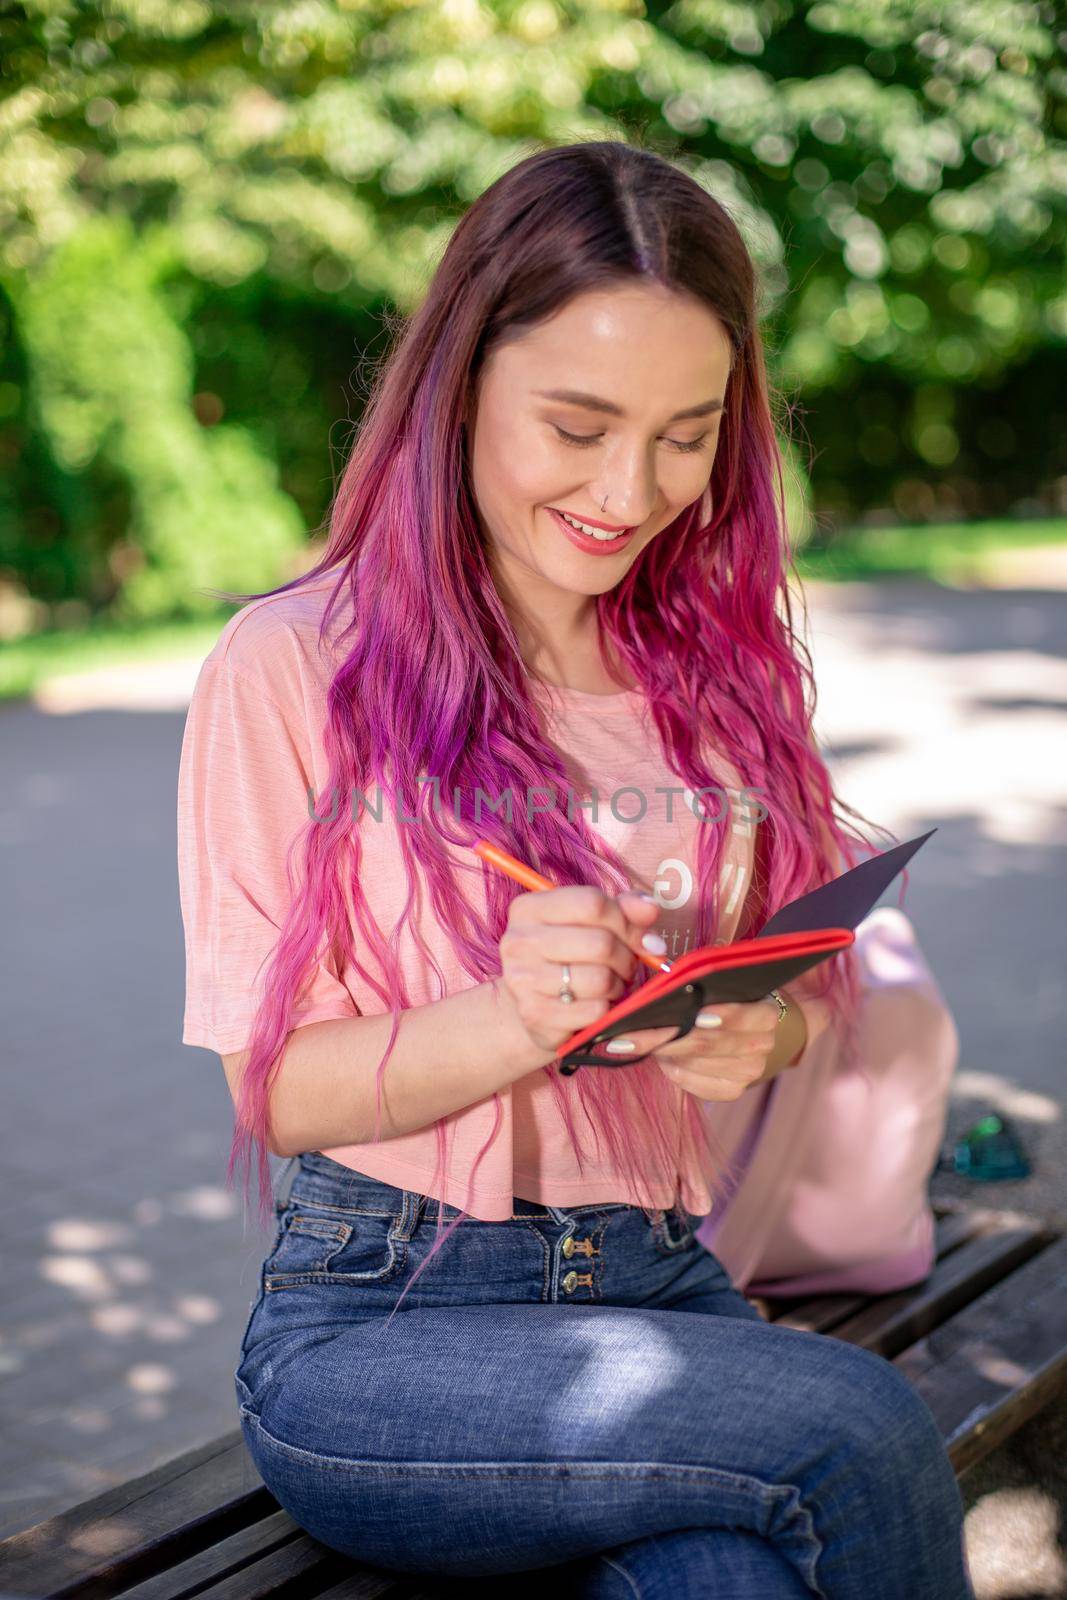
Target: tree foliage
206,206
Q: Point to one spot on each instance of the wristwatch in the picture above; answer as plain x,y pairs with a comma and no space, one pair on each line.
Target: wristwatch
782,1007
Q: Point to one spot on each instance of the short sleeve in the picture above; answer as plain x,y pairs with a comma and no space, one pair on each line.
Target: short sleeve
243,778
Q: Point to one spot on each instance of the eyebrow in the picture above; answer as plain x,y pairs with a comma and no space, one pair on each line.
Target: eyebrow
592,402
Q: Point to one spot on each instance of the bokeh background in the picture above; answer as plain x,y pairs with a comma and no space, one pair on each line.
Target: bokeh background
212,216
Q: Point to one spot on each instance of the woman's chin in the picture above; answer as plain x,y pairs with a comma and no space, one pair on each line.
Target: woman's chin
587,583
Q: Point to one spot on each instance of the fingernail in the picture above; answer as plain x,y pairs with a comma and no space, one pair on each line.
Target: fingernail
620,1046
708,1019
650,898
655,943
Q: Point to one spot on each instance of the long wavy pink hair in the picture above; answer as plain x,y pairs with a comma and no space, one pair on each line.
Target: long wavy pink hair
433,681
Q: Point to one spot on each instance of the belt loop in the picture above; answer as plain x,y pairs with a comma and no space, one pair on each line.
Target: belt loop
411,1213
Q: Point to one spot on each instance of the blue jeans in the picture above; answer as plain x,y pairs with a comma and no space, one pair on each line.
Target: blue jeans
579,1388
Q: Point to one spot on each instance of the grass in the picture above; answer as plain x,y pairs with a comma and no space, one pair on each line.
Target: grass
27,662
949,553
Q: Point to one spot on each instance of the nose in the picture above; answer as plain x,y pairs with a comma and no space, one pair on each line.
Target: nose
629,484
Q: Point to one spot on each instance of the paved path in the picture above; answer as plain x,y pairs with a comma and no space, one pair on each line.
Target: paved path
130,1270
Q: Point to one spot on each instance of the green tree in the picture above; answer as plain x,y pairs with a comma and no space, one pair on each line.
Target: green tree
206,207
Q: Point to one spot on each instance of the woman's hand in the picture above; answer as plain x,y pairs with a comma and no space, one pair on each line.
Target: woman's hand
721,1063
596,934
749,1044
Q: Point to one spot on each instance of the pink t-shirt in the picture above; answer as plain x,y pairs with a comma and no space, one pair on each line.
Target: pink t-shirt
252,748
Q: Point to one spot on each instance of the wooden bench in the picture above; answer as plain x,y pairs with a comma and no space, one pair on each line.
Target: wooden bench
984,1340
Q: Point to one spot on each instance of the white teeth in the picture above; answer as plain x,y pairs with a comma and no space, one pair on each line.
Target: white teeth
583,527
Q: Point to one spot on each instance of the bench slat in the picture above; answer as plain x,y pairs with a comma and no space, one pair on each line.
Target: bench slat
823,1313
890,1323
997,1361
136,1529
372,1585
219,1560
251,1564
534,1578
303,1559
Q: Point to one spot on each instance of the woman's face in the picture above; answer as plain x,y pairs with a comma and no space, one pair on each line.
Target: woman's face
633,359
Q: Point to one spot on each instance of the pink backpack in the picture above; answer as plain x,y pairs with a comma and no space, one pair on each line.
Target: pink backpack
835,1165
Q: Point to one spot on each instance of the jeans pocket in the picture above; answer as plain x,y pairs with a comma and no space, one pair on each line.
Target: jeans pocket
318,1245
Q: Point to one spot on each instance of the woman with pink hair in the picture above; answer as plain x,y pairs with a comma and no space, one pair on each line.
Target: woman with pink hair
553,612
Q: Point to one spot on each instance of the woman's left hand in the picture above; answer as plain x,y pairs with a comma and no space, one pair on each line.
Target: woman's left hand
719,1062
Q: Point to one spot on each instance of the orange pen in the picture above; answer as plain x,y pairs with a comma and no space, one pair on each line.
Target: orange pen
519,872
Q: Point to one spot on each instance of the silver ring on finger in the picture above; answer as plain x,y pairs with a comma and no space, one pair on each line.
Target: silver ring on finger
566,993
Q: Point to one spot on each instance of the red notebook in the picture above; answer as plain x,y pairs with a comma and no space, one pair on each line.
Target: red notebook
800,935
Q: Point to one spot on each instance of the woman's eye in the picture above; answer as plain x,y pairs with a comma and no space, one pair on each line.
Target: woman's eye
594,438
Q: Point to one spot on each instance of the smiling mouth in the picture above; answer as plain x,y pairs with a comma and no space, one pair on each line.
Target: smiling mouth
591,522
604,539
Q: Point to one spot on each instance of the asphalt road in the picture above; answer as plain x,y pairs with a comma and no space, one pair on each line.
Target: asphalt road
131,1265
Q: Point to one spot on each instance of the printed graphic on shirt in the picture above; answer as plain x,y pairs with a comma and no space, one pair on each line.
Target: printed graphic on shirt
673,879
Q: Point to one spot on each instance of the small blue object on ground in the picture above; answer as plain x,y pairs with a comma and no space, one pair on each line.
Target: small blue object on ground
990,1152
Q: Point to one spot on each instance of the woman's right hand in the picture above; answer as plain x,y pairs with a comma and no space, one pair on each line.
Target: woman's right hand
596,934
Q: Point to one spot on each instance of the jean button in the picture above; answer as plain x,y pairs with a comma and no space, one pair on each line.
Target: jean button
570,1246
569,1282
